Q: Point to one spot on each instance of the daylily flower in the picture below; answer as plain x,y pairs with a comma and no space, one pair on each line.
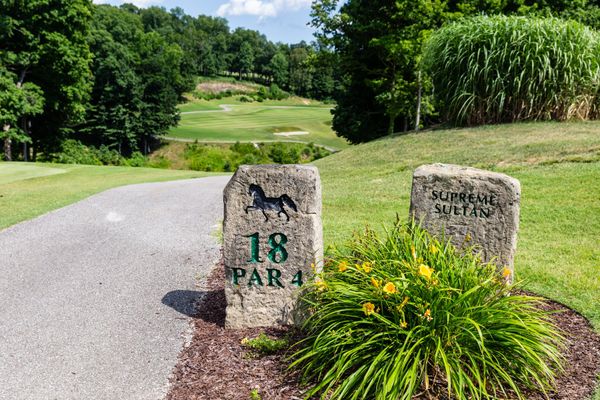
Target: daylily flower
425,271
390,288
343,266
321,285
375,282
427,315
368,308
367,267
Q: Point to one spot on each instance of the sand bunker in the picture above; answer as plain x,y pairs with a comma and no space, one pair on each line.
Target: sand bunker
293,133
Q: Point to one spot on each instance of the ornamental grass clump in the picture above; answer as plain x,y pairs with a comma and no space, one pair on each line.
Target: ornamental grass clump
404,313
503,69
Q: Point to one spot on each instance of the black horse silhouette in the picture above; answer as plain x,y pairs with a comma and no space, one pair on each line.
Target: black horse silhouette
263,203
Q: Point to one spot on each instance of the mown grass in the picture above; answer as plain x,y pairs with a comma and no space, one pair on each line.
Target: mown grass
559,169
28,190
206,121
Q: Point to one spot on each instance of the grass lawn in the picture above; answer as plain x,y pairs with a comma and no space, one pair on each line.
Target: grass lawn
558,252
28,190
207,121
558,249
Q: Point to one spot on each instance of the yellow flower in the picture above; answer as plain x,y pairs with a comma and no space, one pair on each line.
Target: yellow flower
413,252
321,285
375,282
403,324
433,249
367,267
368,308
427,315
404,302
343,266
468,237
425,271
505,272
390,288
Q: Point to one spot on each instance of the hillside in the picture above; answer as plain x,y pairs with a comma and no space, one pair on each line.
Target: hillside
558,164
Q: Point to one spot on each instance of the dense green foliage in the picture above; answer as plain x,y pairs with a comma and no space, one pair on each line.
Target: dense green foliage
43,43
74,152
139,78
403,314
112,76
506,69
377,47
222,158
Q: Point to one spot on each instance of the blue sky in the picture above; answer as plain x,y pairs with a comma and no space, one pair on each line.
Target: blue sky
280,20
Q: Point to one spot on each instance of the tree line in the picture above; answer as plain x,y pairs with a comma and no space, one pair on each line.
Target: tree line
113,76
377,47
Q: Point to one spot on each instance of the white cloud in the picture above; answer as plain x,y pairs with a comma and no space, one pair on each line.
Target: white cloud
261,8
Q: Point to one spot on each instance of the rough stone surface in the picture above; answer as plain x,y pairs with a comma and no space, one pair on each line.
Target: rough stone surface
469,206
262,284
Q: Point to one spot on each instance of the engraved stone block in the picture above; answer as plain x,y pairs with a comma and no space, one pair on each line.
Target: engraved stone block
470,206
272,240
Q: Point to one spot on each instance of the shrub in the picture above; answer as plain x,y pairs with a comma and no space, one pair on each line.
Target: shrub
282,153
504,69
264,345
405,313
74,152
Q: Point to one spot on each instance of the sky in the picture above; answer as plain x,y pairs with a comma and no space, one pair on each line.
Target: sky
280,20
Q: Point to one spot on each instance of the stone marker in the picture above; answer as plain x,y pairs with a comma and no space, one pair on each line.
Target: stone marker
471,206
272,236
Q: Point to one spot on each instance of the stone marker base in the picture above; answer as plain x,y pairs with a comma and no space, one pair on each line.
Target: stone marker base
273,242
469,206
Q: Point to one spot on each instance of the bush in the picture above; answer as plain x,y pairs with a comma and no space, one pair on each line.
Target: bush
504,69
405,313
74,152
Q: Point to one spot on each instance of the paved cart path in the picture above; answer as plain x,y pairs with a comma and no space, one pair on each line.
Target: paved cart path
94,296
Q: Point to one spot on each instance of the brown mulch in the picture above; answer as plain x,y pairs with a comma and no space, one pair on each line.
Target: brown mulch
215,366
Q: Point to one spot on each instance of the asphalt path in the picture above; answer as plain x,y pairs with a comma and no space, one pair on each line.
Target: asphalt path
95,297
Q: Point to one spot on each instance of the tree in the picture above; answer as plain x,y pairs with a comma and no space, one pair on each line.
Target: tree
43,42
138,82
17,101
278,67
246,59
378,45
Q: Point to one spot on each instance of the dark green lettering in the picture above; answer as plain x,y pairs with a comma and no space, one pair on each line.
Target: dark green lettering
493,201
254,248
474,212
484,213
438,209
434,195
297,279
277,242
236,274
463,197
482,198
274,275
255,278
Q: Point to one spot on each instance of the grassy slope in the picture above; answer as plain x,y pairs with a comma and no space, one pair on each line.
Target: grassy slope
28,190
257,122
559,168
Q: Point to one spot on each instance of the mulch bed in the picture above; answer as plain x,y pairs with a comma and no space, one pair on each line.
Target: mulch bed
216,366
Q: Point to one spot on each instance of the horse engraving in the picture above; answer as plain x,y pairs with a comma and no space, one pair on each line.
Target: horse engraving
264,203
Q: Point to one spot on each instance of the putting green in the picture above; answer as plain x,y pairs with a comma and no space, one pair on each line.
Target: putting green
12,172
257,122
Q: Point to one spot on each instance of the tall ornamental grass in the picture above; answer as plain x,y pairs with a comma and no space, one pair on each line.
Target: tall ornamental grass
505,69
405,314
